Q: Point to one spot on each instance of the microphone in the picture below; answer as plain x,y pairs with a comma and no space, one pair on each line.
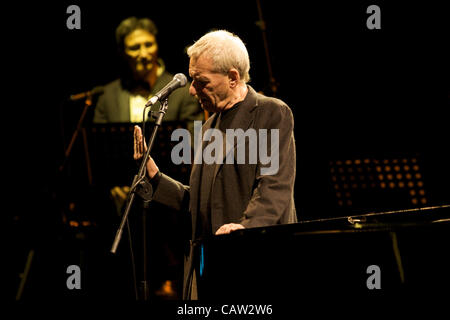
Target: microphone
178,81
82,95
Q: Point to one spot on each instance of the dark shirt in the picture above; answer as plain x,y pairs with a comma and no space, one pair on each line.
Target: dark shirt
204,227
226,117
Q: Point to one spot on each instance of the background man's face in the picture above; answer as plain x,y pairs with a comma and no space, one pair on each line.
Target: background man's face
141,52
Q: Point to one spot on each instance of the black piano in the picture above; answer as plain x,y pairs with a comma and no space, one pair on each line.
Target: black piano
402,252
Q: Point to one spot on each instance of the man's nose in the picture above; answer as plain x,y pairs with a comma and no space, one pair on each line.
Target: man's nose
143,52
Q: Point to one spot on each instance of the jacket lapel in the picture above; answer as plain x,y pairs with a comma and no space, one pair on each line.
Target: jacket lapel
195,174
242,120
123,107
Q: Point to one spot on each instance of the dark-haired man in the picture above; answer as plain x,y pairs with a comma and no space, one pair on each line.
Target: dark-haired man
143,75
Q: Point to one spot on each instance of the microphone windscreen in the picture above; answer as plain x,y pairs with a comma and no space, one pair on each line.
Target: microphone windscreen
182,78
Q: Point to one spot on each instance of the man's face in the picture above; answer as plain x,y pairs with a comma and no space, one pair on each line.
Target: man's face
141,52
208,86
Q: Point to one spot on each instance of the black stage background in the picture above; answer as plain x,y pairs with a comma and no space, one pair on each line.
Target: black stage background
355,93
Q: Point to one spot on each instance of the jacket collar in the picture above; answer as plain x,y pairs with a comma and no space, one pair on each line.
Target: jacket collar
243,117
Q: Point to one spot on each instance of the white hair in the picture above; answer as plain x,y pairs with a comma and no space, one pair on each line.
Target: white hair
226,51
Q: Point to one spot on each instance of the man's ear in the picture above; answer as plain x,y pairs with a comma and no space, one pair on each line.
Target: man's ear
233,77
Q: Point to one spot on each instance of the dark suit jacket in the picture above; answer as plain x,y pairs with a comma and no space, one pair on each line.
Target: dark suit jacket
114,104
240,194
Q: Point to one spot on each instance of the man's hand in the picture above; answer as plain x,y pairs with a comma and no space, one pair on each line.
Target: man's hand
140,147
228,228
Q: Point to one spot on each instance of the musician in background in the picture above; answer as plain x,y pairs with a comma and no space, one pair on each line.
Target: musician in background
143,74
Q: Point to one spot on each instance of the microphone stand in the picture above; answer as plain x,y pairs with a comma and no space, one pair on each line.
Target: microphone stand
87,104
262,25
144,189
